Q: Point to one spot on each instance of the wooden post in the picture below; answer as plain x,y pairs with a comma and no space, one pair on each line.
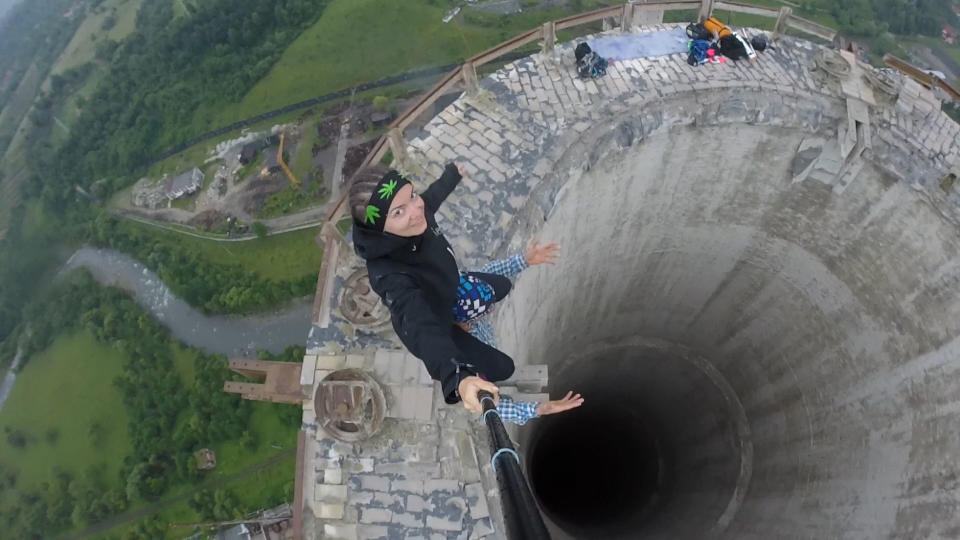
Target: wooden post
643,16
782,19
549,32
706,10
469,73
398,145
626,17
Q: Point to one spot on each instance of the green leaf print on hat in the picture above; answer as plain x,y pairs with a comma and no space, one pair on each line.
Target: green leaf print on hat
373,214
386,191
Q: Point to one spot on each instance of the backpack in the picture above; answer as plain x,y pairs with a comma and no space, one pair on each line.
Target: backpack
697,31
698,51
591,66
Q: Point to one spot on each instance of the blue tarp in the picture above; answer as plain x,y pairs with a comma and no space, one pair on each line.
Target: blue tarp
644,45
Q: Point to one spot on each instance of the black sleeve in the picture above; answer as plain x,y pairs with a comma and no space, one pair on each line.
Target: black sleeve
422,333
438,191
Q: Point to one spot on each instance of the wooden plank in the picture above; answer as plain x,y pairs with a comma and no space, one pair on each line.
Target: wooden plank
737,7
665,6
811,28
507,46
921,76
590,16
440,88
298,483
328,273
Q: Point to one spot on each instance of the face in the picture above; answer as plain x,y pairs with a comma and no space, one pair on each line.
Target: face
405,217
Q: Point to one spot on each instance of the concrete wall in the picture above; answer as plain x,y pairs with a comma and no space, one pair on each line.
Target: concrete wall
834,318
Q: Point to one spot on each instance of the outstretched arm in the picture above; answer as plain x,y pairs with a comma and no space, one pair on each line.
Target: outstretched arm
439,190
536,254
519,412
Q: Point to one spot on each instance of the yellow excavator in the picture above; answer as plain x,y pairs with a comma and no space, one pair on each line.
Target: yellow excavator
283,164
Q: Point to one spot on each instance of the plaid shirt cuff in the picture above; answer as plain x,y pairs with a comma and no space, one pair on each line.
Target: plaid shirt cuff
516,412
508,268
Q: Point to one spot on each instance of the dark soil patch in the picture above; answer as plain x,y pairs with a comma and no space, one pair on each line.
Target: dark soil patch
355,156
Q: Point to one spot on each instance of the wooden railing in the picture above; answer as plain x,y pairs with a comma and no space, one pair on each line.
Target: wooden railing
465,77
921,76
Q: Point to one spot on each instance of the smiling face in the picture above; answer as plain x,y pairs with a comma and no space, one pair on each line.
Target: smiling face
405,217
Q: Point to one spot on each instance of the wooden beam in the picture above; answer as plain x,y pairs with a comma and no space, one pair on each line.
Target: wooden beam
737,7
782,19
812,28
549,38
468,72
706,10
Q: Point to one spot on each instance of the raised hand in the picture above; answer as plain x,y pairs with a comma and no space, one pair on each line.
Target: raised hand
542,254
569,401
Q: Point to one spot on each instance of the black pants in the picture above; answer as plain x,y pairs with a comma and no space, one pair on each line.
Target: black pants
488,361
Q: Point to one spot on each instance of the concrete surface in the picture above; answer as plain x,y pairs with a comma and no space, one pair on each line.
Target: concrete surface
763,353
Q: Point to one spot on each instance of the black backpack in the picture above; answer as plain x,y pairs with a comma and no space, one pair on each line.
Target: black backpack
699,31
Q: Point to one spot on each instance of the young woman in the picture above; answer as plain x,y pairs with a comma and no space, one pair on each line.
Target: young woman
413,269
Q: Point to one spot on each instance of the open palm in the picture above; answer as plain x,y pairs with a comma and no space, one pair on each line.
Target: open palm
569,401
540,254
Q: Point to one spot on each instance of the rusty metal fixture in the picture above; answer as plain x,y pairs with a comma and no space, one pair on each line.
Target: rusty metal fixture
350,405
360,304
883,82
833,63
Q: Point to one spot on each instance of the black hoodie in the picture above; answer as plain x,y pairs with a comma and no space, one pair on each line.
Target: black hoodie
417,278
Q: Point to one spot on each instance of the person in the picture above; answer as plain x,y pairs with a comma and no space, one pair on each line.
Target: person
413,268
730,43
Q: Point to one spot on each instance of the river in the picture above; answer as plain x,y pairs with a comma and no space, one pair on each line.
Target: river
230,335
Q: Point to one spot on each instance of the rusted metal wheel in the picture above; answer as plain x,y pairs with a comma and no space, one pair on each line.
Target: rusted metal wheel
360,304
350,405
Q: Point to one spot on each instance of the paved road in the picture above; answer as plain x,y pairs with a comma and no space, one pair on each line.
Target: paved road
162,505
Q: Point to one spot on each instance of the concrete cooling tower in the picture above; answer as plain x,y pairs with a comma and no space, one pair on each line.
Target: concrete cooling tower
757,296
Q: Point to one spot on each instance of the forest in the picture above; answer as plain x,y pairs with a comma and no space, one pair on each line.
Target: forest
167,421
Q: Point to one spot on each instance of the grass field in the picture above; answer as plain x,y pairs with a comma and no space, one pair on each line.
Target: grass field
66,388
69,386
82,46
19,102
279,257
357,41
251,492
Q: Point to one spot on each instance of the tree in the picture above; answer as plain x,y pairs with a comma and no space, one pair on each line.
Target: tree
15,437
259,229
249,441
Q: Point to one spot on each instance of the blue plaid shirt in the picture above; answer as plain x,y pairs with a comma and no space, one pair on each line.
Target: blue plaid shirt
517,412
480,327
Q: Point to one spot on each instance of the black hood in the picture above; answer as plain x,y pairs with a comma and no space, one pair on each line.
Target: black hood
370,244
